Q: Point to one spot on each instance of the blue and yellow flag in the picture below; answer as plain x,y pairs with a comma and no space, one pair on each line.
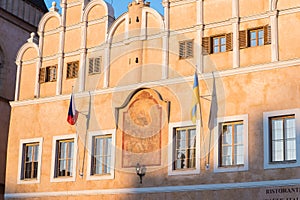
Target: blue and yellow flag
196,98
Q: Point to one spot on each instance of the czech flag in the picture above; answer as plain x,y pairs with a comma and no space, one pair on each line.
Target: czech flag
73,113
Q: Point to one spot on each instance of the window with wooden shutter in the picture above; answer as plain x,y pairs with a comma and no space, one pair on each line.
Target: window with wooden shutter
50,74
267,34
181,50
42,75
186,49
72,69
189,49
218,44
206,45
243,39
94,65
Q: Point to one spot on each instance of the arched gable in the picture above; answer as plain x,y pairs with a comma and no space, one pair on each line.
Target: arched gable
24,48
46,17
109,11
115,25
156,14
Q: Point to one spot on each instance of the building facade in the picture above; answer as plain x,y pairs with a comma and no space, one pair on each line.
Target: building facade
17,20
132,80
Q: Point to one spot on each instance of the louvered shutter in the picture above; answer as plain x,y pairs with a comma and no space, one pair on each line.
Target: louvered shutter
243,39
189,49
97,65
267,34
228,41
75,69
206,47
42,77
91,65
181,50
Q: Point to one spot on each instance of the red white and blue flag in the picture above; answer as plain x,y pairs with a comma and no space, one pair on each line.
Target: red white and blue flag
73,113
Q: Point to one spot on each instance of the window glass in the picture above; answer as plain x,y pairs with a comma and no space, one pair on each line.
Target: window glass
101,157
185,148
283,138
232,147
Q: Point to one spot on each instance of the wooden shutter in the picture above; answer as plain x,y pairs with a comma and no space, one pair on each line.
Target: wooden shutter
181,50
97,65
206,46
75,69
91,65
228,41
267,34
42,77
189,49
243,39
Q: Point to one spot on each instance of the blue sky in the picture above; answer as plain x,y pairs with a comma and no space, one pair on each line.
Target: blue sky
120,6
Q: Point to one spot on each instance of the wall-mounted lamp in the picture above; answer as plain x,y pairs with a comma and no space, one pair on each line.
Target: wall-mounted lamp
140,171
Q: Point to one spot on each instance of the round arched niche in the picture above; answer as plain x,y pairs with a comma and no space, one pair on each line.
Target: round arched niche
141,119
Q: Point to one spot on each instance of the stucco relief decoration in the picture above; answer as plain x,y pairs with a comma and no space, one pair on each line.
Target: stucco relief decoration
142,122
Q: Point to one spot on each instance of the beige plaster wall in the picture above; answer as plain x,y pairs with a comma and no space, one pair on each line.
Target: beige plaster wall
51,24
257,7
281,5
27,81
97,12
211,8
72,19
51,44
72,40
252,94
288,39
187,17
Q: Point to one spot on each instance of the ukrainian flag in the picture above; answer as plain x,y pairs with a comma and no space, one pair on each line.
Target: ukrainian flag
196,98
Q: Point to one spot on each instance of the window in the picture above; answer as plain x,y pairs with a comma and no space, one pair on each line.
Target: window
101,156
72,69
95,65
281,139
185,148
30,161
65,149
256,37
101,160
231,151
231,144
64,159
219,44
186,49
184,153
47,74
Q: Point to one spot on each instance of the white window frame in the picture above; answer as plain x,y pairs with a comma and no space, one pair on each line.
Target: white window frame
111,132
266,116
220,121
171,146
28,141
55,139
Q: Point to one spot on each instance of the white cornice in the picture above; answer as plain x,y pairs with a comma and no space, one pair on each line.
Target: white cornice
164,82
72,4
73,53
181,2
73,27
289,11
161,189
